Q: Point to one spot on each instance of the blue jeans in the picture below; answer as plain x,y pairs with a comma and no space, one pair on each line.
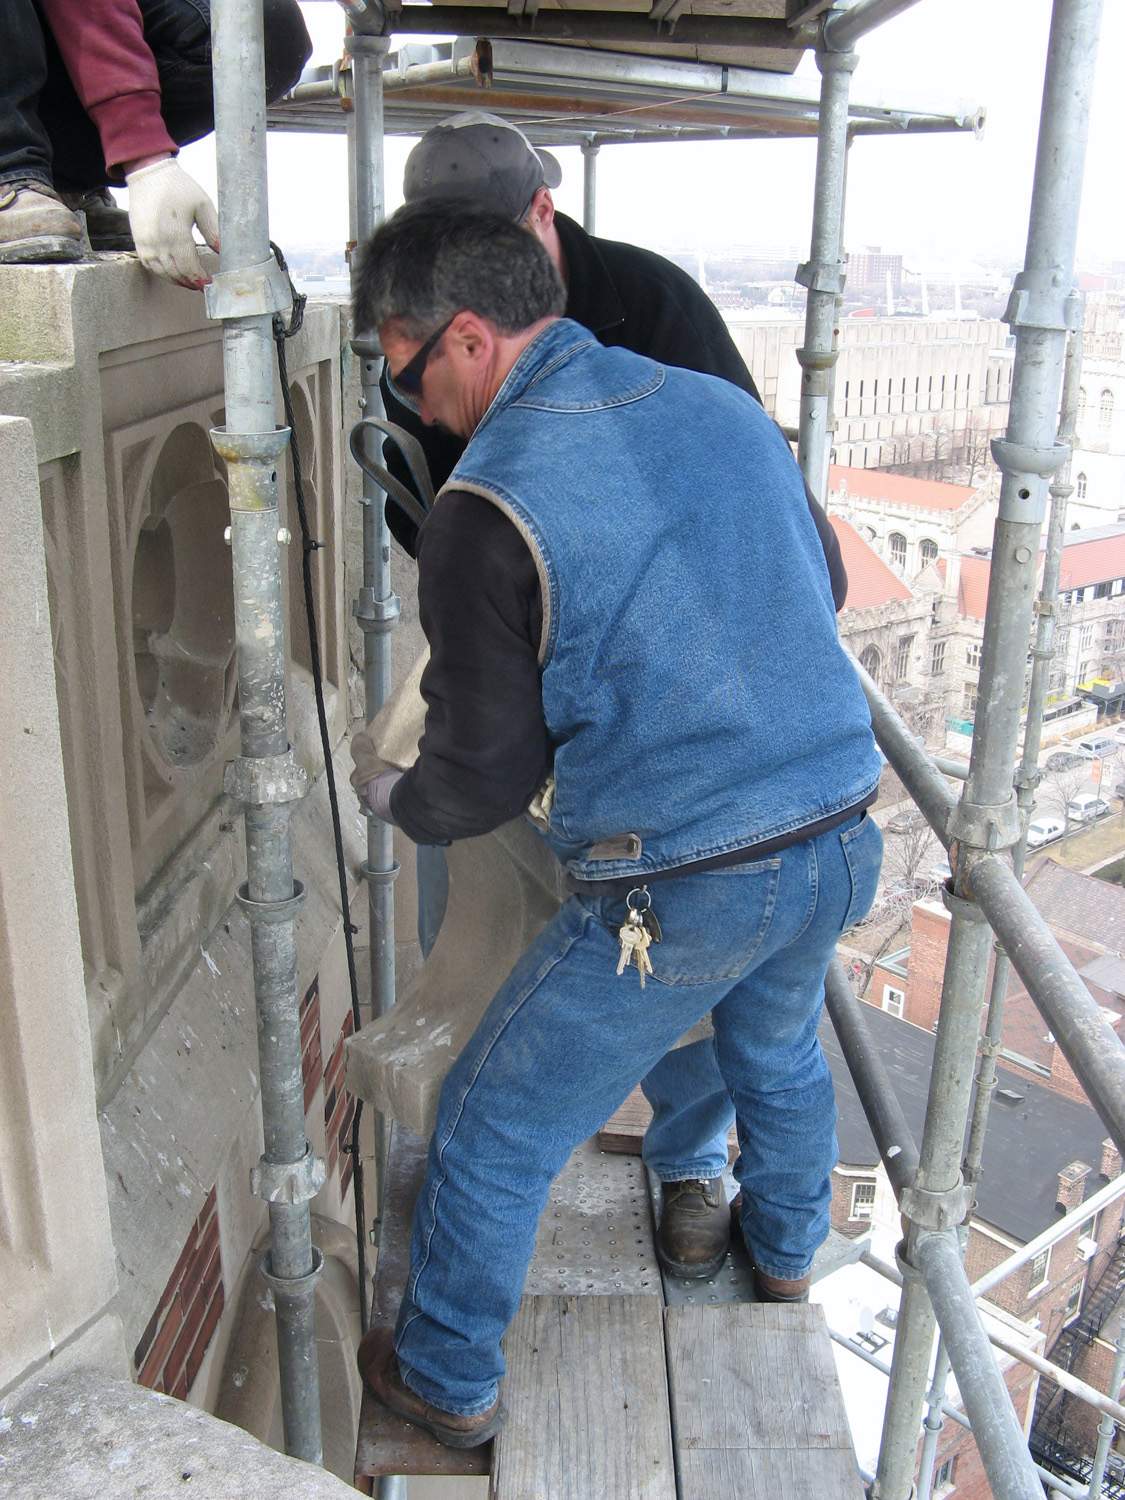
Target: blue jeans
566,1039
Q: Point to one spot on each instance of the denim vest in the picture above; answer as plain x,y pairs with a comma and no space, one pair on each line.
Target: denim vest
694,686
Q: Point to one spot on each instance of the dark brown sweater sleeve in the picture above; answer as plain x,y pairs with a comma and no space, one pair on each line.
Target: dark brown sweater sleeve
485,750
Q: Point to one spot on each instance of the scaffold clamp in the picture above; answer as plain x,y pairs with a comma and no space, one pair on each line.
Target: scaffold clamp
290,1181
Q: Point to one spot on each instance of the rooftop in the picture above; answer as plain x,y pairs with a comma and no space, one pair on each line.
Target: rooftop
1091,910
898,489
871,581
1028,1142
1092,556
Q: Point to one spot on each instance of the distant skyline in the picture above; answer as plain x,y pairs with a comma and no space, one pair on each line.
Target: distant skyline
933,198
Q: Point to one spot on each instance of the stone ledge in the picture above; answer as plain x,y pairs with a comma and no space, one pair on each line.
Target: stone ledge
87,1435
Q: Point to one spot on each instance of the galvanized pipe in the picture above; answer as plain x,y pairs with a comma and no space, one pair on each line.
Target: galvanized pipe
843,28
1027,774
823,273
934,1421
1040,311
590,151
1107,1428
909,760
265,779
1051,1236
876,1093
997,1433
377,606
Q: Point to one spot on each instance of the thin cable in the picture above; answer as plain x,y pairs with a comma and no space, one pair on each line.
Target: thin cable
309,545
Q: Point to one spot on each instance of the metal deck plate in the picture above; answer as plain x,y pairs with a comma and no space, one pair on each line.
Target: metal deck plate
595,1236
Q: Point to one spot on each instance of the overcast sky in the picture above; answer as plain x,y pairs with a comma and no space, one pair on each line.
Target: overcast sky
932,197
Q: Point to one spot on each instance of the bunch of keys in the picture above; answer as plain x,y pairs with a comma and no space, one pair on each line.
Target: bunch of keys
637,933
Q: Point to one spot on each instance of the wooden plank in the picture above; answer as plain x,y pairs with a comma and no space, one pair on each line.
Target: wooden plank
587,1399
624,1130
756,1403
385,1444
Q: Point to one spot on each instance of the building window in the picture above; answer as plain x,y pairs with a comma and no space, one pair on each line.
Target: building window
943,1477
1101,590
1037,1276
847,393
871,661
1081,402
969,702
893,1000
1086,639
937,659
1073,1301
896,544
972,654
902,657
863,1200
927,551
1080,487
1105,408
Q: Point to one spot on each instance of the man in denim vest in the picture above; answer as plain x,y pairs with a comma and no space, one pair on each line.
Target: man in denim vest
630,298
635,545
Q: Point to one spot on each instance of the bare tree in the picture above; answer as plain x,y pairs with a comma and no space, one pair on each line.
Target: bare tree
1056,788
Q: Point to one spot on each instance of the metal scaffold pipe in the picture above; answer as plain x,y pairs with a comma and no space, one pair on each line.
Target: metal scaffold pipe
265,779
843,28
590,151
823,273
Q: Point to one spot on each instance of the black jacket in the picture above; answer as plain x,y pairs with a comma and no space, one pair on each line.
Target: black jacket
628,297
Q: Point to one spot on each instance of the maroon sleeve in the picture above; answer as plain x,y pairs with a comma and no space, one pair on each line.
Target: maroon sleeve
114,74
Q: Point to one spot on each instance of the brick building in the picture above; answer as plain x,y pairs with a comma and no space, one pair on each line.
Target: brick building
1087,917
1045,1154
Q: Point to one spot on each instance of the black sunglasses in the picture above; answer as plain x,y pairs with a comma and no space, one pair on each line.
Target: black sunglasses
409,378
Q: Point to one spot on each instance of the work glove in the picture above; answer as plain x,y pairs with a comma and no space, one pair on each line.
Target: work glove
164,204
377,794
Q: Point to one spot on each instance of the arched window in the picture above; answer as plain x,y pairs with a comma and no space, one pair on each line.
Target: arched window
1080,487
871,660
1105,408
896,548
1081,402
927,551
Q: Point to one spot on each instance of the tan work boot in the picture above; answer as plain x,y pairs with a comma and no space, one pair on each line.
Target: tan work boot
770,1288
107,223
378,1364
694,1233
36,226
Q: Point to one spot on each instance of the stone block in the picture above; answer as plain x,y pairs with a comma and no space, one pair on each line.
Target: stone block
88,1435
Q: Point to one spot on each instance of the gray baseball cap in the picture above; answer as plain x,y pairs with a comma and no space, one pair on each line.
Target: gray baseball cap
483,159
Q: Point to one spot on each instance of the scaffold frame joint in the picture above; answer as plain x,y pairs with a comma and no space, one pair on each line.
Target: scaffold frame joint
930,1209
248,291
986,828
822,276
290,1181
260,780
1038,301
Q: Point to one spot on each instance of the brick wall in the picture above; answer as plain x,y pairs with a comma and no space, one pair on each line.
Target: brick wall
969,1480
172,1347
929,936
841,1207
312,1062
339,1110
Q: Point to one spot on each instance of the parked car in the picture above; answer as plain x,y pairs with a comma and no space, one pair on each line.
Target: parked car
905,822
1042,831
1096,746
1064,760
1086,807
1118,732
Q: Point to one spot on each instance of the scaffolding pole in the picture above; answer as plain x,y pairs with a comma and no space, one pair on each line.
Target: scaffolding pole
823,272
377,606
247,290
590,151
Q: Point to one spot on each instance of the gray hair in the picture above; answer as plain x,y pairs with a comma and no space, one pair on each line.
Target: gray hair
433,259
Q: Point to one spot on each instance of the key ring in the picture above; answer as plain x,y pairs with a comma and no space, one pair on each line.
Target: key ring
639,890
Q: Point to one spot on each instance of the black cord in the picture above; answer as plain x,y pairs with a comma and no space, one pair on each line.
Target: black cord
309,545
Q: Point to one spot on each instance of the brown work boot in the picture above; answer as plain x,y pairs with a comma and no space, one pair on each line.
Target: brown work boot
36,226
378,1364
770,1288
694,1233
106,222
775,1289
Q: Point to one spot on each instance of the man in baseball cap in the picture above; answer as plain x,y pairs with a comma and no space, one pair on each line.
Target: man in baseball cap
630,298
481,159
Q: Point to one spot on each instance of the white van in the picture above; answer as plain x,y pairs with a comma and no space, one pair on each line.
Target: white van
1086,807
1096,746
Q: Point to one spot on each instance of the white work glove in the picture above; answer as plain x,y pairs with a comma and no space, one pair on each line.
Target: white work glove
164,204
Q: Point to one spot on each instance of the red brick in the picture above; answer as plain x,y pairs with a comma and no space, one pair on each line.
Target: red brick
179,1388
204,1336
332,1151
207,1248
154,1363
178,1270
311,995
345,1174
349,1025
310,1025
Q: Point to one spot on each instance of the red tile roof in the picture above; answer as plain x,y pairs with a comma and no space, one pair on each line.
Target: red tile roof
973,593
1092,562
870,580
899,489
